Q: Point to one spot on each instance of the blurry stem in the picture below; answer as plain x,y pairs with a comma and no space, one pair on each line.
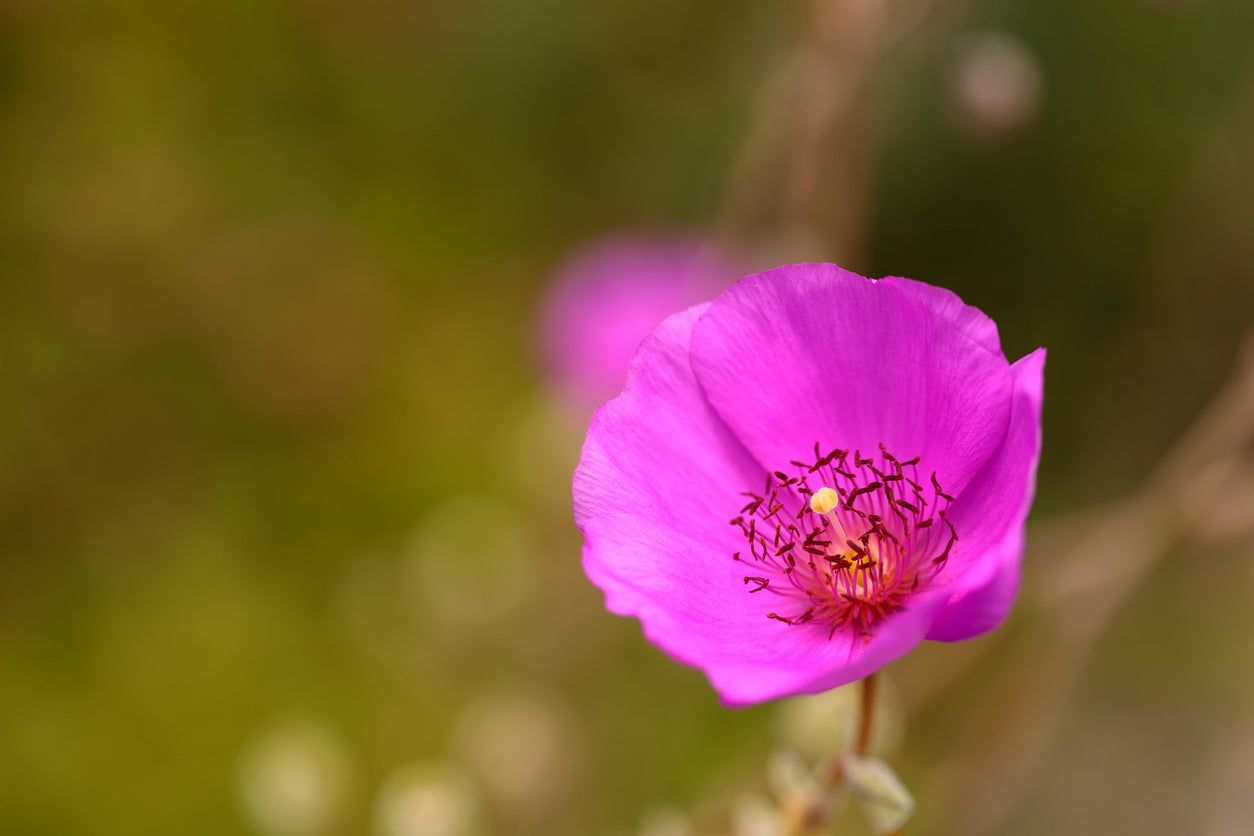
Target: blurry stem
1087,583
799,185
825,199
806,812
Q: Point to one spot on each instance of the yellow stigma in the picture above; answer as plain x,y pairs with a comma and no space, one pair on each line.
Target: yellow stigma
824,500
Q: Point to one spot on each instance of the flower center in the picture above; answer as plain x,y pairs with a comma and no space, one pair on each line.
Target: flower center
847,540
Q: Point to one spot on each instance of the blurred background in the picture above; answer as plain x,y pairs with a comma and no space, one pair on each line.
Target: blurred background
285,536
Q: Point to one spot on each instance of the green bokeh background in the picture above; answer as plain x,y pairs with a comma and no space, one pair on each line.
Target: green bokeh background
269,281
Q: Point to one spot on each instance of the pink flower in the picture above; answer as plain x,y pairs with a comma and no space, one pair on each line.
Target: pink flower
781,566
607,297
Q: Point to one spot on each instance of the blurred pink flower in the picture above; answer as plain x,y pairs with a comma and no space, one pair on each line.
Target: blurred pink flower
607,297
778,565
997,84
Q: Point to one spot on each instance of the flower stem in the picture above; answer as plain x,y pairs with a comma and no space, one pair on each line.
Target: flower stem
863,744
803,815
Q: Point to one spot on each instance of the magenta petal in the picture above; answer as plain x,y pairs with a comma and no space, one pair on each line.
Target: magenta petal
990,513
811,352
948,304
659,451
692,604
972,612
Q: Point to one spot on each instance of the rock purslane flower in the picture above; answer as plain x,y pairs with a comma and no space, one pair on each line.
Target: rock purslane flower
810,475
